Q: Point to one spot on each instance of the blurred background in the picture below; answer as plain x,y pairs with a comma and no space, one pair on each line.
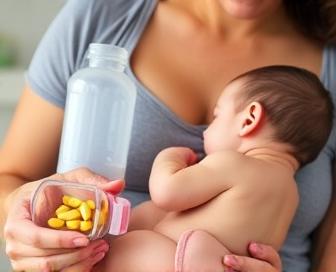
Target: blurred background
22,24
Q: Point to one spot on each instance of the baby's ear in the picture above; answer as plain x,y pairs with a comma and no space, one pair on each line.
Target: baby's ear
251,118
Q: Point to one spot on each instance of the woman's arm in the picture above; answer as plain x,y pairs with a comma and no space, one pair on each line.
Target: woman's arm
30,149
324,255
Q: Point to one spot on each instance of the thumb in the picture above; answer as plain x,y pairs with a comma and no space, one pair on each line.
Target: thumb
114,187
85,175
81,175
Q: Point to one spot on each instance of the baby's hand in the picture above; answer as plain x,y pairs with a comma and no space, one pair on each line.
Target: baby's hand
183,156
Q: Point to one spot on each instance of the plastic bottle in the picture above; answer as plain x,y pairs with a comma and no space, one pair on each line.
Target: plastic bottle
99,114
109,214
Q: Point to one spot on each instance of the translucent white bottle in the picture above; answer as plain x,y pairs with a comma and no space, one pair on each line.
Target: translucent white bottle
99,114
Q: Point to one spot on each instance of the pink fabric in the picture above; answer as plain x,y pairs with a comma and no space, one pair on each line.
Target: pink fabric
199,251
180,250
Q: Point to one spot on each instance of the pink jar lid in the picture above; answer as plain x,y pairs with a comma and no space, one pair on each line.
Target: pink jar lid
120,209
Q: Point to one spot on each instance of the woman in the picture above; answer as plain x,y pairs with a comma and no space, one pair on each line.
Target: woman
182,54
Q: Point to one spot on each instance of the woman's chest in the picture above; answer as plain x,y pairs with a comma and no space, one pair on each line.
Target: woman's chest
187,72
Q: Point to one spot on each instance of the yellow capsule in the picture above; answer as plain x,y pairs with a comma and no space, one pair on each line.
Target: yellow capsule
91,204
103,213
85,211
66,199
73,214
62,209
55,223
73,224
85,225
71,201
102,218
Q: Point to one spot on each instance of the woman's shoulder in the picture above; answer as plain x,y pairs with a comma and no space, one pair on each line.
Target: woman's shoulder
63,49
106,9
78,4
108,21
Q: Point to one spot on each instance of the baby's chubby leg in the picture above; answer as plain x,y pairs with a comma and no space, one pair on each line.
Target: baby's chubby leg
140,250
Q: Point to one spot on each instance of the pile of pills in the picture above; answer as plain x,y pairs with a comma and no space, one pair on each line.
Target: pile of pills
74,214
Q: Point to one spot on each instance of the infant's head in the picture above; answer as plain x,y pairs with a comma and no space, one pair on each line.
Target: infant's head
288,101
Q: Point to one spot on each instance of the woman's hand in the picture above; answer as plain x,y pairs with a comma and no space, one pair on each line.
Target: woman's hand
266,259
33,248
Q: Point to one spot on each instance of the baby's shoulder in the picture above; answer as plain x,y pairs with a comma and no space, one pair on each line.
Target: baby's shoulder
232,161
270,178
231,164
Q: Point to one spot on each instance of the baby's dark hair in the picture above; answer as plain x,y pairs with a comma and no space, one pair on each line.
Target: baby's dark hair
296,104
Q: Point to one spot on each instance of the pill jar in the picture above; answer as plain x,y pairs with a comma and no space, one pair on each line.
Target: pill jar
81,207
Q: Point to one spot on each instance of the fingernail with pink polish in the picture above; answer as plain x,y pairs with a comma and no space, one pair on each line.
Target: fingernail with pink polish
255,248
231,261
80,242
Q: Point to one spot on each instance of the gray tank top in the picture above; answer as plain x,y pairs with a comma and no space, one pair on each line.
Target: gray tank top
62,51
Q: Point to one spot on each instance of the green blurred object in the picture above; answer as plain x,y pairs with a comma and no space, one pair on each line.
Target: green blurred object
7,55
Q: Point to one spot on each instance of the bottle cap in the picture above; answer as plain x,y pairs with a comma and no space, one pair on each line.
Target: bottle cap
108,51
120,209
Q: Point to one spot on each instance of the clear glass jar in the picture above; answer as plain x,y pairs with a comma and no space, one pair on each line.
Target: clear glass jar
110,214
99,114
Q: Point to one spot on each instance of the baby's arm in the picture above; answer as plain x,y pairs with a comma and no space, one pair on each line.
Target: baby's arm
177,183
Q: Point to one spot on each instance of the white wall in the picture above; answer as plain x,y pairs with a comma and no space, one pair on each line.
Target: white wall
25,21
11,84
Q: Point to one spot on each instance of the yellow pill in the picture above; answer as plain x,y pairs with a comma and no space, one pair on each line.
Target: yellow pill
66,199
91,204
73,214
85,225
71,201
102,218
85,211
55,223
73,224
62,209
103,213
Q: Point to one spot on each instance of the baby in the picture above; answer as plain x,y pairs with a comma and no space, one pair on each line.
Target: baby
267,123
